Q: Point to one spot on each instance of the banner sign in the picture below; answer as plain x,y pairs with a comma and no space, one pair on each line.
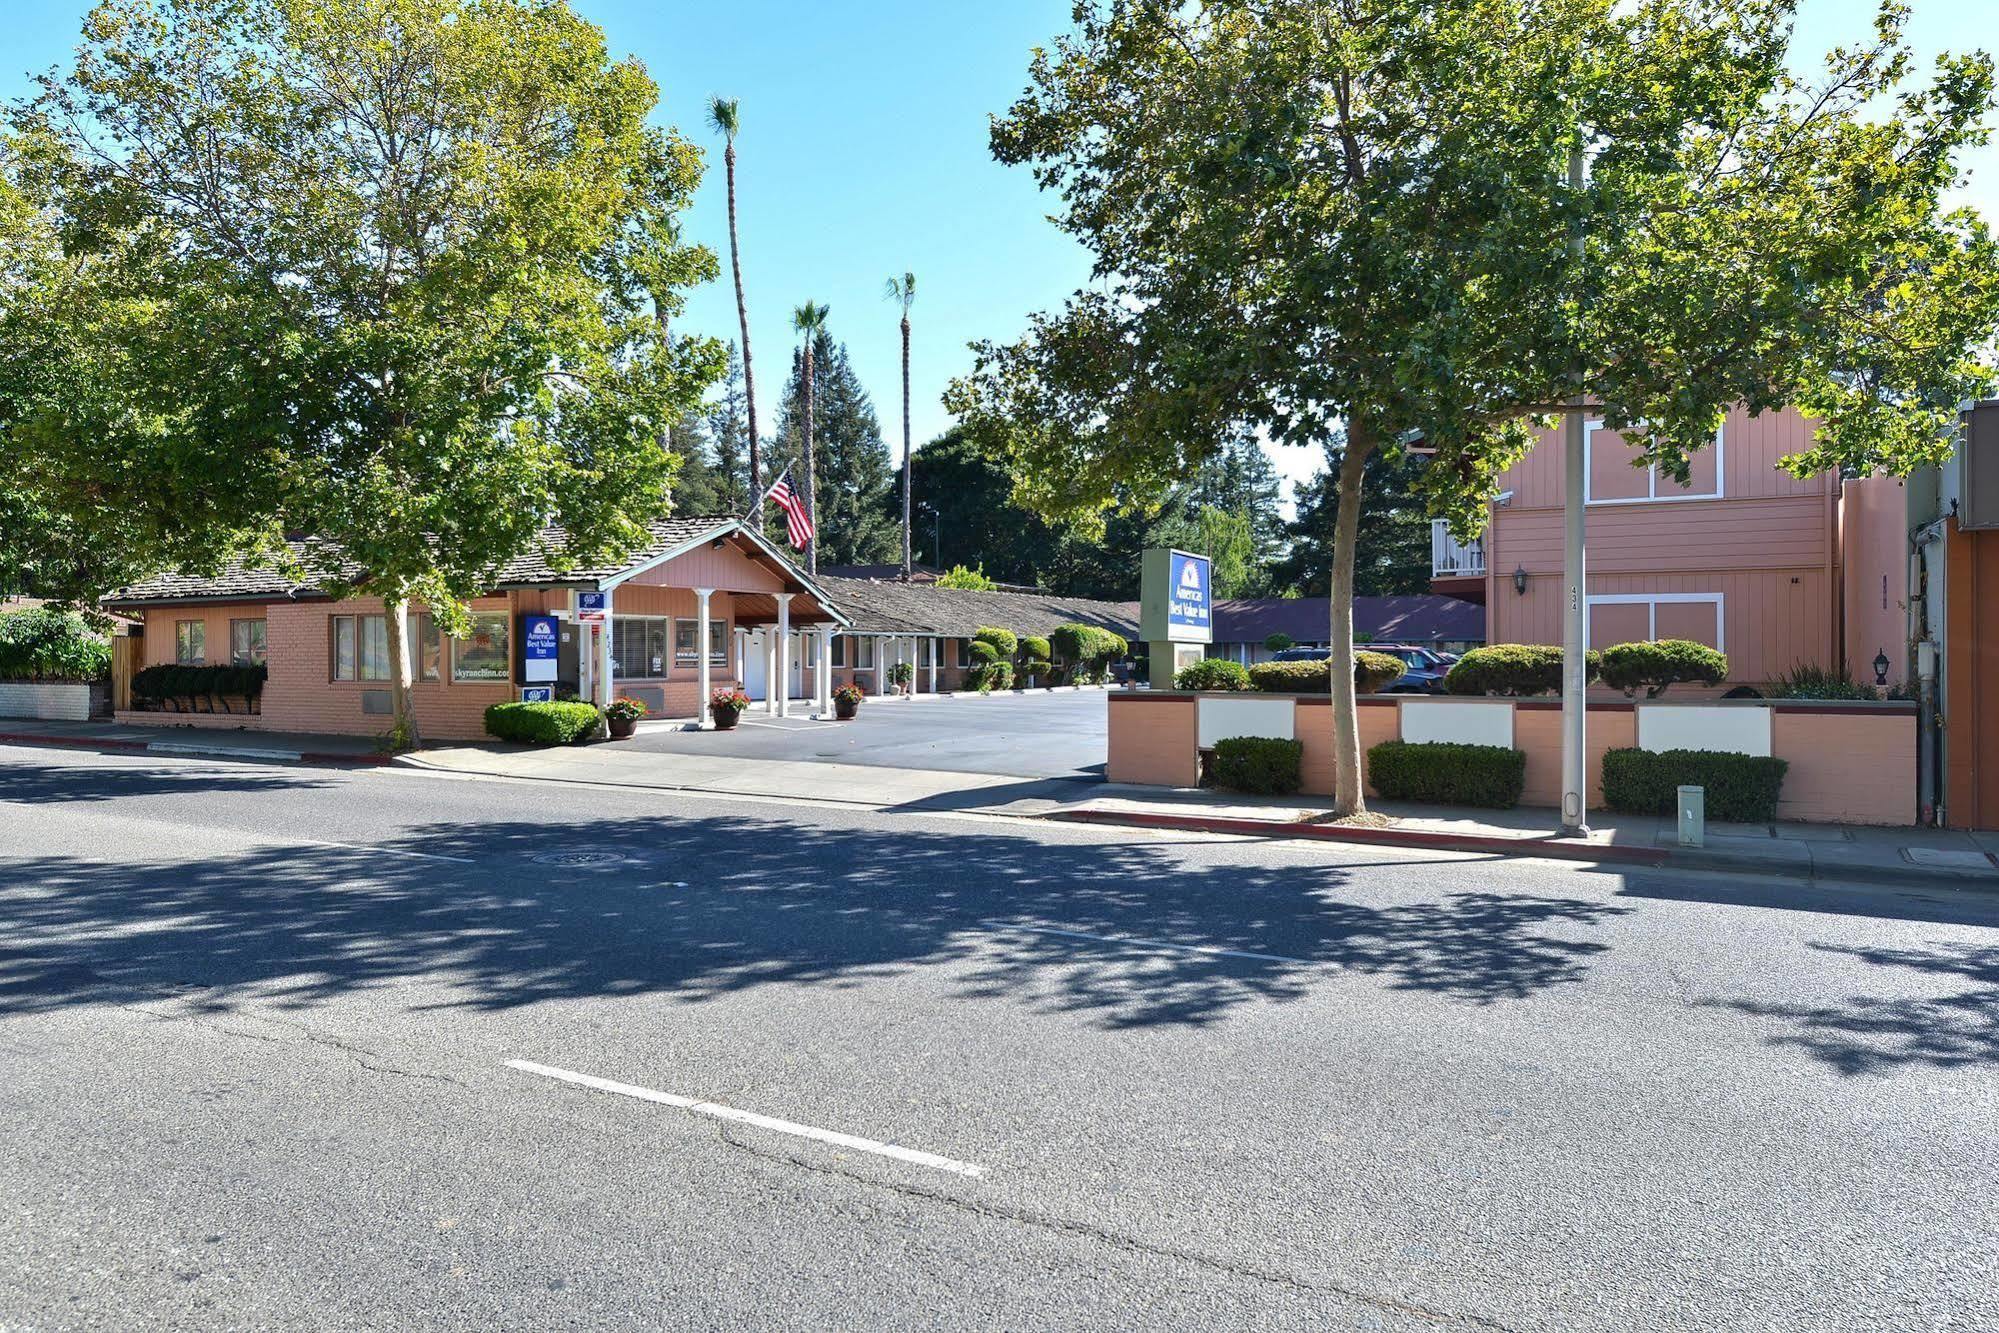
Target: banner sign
1187,604
592,608
541,639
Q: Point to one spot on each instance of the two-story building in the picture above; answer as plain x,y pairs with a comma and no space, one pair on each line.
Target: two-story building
1776,571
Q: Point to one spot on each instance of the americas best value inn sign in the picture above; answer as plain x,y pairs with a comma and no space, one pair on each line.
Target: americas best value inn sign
1176,601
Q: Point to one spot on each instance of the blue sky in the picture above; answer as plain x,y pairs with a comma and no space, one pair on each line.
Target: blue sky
864,154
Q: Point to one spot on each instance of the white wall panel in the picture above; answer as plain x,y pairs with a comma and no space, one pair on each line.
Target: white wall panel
1472,722
1223,718
1731,729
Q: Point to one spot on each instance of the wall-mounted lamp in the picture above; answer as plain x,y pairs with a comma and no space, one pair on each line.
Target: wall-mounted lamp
1881,668
1520,580
716,545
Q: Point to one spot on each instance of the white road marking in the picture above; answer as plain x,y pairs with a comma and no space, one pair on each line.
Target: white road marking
1132,943
388,851
799,724
720,1112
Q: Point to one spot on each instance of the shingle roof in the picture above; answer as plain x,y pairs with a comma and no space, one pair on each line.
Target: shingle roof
320,561
894,607
1413,618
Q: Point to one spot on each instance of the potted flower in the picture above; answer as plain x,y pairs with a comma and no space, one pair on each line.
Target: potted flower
847,702
623,716
726,705
902,675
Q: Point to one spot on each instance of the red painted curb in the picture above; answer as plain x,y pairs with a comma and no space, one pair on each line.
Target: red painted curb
1456,842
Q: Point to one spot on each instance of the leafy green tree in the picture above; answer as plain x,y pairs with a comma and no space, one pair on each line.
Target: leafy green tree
853,474
1366,217
728,441
963,513
809,322
393,273
1392,547
960,576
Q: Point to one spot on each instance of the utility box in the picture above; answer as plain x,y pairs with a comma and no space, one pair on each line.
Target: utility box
1693,816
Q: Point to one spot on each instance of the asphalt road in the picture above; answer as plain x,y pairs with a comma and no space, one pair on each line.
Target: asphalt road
255,1026
1027,735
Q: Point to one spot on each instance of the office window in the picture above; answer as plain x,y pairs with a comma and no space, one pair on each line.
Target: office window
427,641
190,642
360,647
687,642
246,643
482,654
638,646
964,647
864,654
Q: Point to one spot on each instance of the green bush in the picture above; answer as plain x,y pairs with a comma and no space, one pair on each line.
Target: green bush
1005,643
43,643
1492,776
1212,673
543,724
1741,788
1034,648
1514,668
1041,672
1278,641
1262,765
992,676
1811,682
1662,662
1087,647
1371,672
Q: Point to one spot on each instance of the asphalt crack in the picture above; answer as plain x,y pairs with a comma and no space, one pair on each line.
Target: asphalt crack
1116,1239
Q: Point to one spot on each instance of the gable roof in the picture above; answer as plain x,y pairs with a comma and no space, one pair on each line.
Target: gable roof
894,607
1410,618
320,561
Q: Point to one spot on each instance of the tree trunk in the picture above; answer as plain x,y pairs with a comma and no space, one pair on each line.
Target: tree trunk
811,475
743,322
906,561
1349,795
395,610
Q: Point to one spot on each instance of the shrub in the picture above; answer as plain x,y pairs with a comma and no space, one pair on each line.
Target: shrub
542,724
1278,642
1263,765
1812,682
1657,664
1514,668
1087,647
43,643
1371,672
1741,788
1041,672
1212,673
1448,774
901,673
1005,643
959,576
993,676
1034,648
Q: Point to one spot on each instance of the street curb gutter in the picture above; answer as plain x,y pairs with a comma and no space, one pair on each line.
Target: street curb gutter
1652,858
194,749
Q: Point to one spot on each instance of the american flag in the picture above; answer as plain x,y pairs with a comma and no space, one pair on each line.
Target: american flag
797,520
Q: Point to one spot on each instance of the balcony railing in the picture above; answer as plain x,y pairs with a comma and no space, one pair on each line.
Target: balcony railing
1451,558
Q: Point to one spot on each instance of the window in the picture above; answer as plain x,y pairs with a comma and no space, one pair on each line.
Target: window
429,643
864,654
360,647
246,643
687,642
638,646
482,654
1609,477
190,642
1647,616
964,654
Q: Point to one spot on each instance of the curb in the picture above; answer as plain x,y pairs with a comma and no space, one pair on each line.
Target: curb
195,748
1652,858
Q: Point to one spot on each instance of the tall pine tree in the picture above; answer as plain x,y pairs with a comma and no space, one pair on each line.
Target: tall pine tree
729,441
855,471
1392,544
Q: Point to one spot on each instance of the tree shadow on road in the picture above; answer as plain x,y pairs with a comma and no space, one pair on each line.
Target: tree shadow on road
699,907
1878,1034
57,784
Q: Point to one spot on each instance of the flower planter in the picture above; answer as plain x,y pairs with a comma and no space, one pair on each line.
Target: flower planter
725,718
622,727
845,710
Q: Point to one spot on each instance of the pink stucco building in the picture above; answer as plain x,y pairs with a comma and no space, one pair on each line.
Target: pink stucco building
1775,571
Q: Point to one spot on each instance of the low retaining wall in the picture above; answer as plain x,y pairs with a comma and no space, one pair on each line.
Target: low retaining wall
1850,763
55,701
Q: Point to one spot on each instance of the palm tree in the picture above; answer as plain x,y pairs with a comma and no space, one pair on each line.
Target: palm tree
723,116
902,291
810,321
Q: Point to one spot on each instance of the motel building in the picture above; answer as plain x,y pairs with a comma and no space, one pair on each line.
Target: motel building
706,603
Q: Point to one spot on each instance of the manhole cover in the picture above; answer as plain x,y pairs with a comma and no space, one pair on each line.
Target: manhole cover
575,860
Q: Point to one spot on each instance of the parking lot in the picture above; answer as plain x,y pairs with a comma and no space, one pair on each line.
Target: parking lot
1033,735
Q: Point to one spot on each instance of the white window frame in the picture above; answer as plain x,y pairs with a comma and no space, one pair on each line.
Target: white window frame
1653,601
1652,496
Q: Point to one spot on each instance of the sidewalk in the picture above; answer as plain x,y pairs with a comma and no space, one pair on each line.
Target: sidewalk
269,746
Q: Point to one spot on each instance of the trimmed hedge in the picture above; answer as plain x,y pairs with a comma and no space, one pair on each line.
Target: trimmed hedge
44,644
1034,648
1004,642
543,724
1515,668
992,676
1212,673
1741,788
1087,646
1263,765
1660,663
1447,773
981,654
1371,672
183,686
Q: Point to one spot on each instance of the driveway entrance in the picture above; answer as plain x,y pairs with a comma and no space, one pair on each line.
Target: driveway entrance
1058,735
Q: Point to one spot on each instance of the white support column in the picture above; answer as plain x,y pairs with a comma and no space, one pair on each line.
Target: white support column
784,653
934,643
822,680
701,596
602,684
770,669
881,666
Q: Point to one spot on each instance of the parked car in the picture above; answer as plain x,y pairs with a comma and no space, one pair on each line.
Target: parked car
1423,669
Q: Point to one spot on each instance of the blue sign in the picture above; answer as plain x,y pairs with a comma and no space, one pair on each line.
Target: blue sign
1188,581
537,694
541,640
592,607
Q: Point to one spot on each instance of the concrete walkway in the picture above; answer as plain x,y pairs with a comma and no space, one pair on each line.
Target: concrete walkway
272,746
